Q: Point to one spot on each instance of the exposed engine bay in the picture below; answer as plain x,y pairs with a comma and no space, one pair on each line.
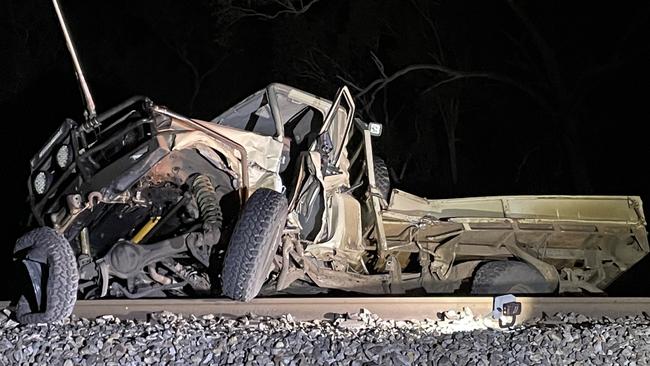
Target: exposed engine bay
155,237
172,231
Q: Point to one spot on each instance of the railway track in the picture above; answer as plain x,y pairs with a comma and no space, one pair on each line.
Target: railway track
397,308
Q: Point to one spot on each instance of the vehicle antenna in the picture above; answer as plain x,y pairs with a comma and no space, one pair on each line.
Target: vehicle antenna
90,113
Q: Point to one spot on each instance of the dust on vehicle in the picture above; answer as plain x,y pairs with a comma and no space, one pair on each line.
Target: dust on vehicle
283,193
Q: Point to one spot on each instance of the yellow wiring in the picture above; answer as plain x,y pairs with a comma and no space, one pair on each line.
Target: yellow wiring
145,229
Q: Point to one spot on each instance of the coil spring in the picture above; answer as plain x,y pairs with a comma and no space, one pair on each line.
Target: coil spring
208,201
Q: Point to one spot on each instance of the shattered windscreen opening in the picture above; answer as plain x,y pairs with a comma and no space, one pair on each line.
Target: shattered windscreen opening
302,122
288,107
252,114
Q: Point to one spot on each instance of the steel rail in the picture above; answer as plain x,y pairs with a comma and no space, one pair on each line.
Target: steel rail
397,308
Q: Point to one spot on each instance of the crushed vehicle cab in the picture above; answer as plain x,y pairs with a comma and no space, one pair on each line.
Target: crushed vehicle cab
282,193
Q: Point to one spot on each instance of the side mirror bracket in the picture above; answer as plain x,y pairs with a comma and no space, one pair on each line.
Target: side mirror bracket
374,128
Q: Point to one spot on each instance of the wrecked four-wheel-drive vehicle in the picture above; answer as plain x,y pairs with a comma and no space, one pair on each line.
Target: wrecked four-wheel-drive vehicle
282,193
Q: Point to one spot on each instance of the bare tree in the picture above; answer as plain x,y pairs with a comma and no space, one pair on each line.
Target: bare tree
558,99
199,76
229,12
284,7
442,71
448,108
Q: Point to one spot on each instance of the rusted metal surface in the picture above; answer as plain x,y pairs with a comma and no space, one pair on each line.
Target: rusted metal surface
243,156
398,308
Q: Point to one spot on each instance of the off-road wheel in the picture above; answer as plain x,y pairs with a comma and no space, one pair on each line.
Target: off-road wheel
50,265
253,244
508,277
382,177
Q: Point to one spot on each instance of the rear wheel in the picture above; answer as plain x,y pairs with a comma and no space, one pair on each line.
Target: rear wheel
52,271
509,277
253,244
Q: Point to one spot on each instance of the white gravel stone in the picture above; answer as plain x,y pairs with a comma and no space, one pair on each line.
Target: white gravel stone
353,339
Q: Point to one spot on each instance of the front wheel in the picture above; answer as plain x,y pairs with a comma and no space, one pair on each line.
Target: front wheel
53,275
253,244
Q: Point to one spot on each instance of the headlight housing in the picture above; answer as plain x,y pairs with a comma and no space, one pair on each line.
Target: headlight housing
63,156
41,182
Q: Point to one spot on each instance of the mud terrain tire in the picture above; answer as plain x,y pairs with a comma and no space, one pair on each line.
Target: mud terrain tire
382,178
253,244
508,277
62,277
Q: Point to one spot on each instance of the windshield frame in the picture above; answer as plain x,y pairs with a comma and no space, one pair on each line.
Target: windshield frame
272,92
275,111
272,105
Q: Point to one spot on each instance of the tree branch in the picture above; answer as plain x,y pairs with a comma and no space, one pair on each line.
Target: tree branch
550,62
289,8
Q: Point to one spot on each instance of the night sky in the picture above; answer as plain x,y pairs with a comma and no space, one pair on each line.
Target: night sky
527,97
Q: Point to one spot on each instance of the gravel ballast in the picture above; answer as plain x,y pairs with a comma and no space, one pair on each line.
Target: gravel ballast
459,338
